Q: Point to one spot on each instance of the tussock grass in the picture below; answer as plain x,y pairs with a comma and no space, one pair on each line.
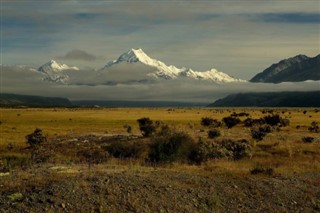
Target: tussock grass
282,150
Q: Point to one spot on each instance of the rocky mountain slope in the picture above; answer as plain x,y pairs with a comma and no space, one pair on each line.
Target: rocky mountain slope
298,68
56,72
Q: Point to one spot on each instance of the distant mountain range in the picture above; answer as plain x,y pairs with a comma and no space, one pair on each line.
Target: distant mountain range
298,68
130,67
134,77
13,100
270,99
16,100
262,99
135,66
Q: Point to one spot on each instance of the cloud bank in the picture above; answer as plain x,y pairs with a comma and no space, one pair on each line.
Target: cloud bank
22,80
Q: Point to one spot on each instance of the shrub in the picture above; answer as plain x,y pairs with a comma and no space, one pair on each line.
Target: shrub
285,122
213,133
251,122
314,127
10,162
208,150
258,133
273,120
308,139
36,137
259,169
40,154
206,121
93,155
127,150
241,114
146,126
171,147
239,149
128,128
231,121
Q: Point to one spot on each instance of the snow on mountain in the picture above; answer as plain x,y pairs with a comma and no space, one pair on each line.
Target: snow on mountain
213,75
169,72
52,65
55,71
137,55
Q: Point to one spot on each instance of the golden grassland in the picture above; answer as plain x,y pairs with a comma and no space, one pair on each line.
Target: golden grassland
283,150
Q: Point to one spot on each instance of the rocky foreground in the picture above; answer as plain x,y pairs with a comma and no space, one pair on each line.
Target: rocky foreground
119,188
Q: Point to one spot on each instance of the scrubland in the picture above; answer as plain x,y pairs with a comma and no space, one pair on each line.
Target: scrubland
102,160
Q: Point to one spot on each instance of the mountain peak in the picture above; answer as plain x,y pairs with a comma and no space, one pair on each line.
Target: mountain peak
135,55
297,68
168,72
53,65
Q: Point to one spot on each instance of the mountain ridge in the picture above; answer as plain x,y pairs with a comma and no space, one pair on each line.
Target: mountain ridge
270,99
14,100
294,69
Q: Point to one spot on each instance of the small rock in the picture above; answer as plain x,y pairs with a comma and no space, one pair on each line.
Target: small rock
4,174
15,197
50,201
63,205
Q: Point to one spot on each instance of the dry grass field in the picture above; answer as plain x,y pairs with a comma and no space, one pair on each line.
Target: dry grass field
78,156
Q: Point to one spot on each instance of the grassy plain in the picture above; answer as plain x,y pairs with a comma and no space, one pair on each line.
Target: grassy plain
128,184
283,149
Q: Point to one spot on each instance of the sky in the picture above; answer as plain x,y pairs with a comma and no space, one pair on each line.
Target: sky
240,38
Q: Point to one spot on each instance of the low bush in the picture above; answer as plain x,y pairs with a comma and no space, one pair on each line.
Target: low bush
36,137
314,127
308,139
208,150
249,122
146,126
93,155
127,149
10,162
259,169
41,154
206,121
231,121
213,133
284,122
241,114
175,146
273,120
258,133
239,149
128,128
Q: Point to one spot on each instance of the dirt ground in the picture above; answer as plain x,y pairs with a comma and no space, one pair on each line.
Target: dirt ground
106,188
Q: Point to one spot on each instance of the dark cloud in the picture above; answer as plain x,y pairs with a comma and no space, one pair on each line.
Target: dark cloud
310,18
80,55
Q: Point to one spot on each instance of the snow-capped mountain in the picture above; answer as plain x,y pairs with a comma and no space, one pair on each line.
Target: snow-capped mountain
56,72
162,71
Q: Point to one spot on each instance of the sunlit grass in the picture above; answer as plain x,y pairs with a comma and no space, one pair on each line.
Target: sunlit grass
282,150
